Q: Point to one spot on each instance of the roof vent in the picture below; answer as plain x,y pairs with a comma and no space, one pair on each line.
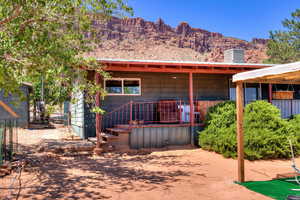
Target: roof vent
234,56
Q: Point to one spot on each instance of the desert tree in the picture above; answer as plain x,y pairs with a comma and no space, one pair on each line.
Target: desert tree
47,40
284,45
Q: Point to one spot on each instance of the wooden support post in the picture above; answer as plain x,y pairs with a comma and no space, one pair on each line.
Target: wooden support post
270,93
191,98
98,115
192,115
240,134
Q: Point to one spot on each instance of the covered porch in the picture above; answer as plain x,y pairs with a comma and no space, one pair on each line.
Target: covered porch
185,90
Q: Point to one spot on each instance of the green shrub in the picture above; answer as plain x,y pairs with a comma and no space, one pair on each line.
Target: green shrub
262,115
221,115
219,133
265,133
294,129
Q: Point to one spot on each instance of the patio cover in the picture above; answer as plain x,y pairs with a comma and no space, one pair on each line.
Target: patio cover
280,74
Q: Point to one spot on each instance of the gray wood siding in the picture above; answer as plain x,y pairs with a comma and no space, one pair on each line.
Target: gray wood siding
156,86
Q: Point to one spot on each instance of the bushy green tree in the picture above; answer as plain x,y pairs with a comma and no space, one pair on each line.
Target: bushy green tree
219,133
48,38
266,134
284,45
294,129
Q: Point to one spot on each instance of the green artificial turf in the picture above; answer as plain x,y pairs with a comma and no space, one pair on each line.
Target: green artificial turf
277,189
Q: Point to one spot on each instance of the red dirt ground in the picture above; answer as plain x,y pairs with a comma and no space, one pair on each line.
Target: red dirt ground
168,175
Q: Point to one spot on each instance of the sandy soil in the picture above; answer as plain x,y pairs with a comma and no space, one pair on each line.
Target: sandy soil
168,175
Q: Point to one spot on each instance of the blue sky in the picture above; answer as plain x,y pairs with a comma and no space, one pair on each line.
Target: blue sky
244,19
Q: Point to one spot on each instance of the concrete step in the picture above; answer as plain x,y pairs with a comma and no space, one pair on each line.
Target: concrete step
94,140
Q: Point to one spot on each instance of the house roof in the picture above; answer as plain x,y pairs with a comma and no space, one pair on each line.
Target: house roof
284,73
174,62
178,66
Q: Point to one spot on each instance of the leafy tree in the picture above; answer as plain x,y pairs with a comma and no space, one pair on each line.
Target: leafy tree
284,46
49,38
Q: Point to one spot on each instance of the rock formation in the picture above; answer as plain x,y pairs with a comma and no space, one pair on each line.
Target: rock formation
135,38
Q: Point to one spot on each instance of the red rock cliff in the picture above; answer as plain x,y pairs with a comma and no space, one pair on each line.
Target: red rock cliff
135,38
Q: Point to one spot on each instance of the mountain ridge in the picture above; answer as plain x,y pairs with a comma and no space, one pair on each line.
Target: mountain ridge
136,38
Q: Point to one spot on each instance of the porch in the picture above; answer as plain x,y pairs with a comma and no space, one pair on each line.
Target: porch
154,124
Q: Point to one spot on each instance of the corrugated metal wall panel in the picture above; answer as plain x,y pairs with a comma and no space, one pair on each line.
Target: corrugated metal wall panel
158,137
284,106
287,107
296,106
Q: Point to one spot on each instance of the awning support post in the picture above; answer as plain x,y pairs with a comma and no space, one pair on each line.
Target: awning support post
240,131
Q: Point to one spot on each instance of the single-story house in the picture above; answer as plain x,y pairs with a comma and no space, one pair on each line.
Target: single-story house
12,107
160,103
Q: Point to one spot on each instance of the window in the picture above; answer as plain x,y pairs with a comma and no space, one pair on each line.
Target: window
114,86
131,86
249,92
123,86
252,92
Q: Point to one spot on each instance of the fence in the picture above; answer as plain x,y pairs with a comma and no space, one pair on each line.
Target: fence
8,139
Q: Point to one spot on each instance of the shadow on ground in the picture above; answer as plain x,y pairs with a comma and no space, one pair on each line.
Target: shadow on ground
101,177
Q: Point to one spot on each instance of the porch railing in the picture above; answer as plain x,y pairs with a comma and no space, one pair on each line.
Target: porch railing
155,112
8,139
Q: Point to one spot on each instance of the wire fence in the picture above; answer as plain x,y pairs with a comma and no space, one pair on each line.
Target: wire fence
8,139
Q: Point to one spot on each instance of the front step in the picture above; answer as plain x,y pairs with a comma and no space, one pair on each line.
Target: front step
105,146
94,141
119,137
109,137
113,139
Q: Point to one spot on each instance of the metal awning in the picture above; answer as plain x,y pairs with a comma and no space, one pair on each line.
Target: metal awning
281,74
